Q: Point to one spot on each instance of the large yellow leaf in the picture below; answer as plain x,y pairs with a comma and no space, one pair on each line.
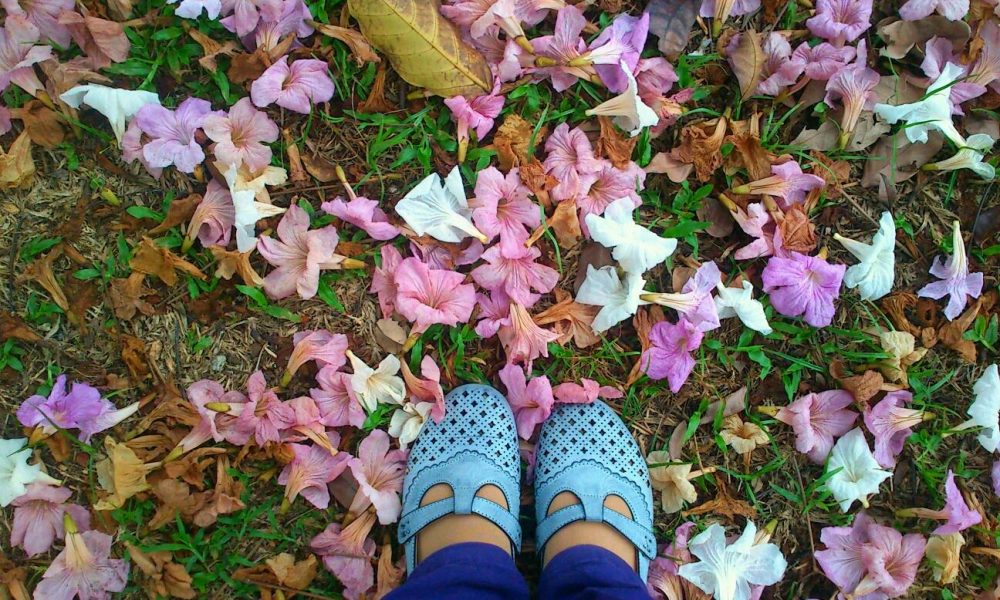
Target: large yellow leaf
423,46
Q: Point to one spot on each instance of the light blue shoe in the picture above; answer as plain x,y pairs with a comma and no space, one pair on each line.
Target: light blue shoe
587,450
473,446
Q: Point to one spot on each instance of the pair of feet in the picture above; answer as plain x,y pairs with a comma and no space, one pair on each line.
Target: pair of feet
456,529
463,482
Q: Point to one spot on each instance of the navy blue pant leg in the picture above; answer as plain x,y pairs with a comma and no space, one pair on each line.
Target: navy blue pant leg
469,571
590,573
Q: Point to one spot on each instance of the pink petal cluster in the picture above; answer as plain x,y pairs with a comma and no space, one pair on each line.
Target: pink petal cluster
840,21
805,286
531,401
779,70
19,51
327,349
503,207
213,425
83,569
953,10
427,387
618,47
822,61
44,15
240,135
384,279
275,20
891,423
379,472
569,158
81,407
670,352
756,222
740,8
429,296
338,405
477,114
585,392
868,560
363,213
494,313
522,339
513,269
817,420
664,580
264,416
213,219
298,255
311,470
172,134
348,553
38,517
607,184
296,87
701,311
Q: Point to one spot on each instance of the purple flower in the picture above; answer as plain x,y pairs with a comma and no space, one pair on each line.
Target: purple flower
956,281
364,214
655,77
243,15
840,21
299,255
870,561
213,219
569,158
531,401
192,9
891,423
240,135
817,420
44,15
477,114
38,517
18,52
957,513
618,47
428,296
788,182
172,134
515,271
608,184
279,18
558,54
854,87
81,408
83,569
996,477
779,71
503,206
820,62
802,285
669,355
953,10
296,87
338,405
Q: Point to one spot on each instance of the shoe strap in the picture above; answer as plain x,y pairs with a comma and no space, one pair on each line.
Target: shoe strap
413,522
642,538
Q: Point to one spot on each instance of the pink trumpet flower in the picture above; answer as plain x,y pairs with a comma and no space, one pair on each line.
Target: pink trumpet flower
81,407
38,517
953,10
503,207
299,255
361,212
805,286
477,114
956,281
670,352
311,470
264,416
618,47
840,21
494,312
84,568
779,70
523,340
854,88
348,553
327,349
891,423
213,404
384,279
787,182
531,401
379,472
821,62
296,87
428,296
426,388
608,184
213,219
172,134
338,405
817,420
19,52
569,157
956,512
514,270
558,55
240,135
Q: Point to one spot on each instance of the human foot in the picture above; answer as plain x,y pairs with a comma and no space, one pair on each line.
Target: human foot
581,533
456,529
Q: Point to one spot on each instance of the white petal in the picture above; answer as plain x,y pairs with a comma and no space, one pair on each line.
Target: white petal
440,211
859,475
619,299
636,248
875,274
629,111
733,302
118,105
15,472
985,408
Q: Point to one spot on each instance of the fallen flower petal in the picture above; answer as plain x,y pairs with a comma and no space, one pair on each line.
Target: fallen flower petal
19,52
477,114
311,469
117,105
669,355
876,272
377,386
728,570
428,296
932,112
945,551
788,182
523,340
673,481
953,10
840,21
408,420
618,299
628,110
956,281
636,248
817,420
38,517
347,552
296,87
336,399
379,472
299,255
503,206
439,209
327,349
384,279
514,270
805,286
856,473
734,302
891,423
84,568
427,388
585,392
970,156
531,401
241,136
364,214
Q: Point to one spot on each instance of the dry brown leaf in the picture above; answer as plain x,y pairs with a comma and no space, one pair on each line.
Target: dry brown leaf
565,223
212,49
747,60
671,21
945,553
534,177
179,212
162,577
896,305
423,46
291,573
244,67
900,36
825,138
592,255
389,574
721,222
900,163
952,334
13,579
512,142
701,145
161,262
320,168
670,164
17,169
723,504
295,170
222,499
13,327
797,231
135,358
573,320
41,272
748,151
122,474
613,145
192,466
232,262
376,102
358,45
836,173
43,125
390,336
121,9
